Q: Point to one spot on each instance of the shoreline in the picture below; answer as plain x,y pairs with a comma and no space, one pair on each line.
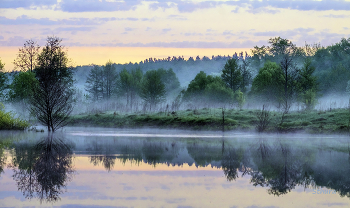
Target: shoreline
336,121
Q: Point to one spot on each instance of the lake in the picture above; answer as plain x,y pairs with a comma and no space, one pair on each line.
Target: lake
101,167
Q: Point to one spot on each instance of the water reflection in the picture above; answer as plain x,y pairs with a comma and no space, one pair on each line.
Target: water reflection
42,169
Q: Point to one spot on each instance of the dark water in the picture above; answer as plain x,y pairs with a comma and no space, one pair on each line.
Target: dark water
90,167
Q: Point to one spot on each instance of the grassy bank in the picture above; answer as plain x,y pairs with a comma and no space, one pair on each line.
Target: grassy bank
335,121
9,122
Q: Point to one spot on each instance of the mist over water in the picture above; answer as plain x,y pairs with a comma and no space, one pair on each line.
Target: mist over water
154,167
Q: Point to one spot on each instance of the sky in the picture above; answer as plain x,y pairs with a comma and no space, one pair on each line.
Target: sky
95,31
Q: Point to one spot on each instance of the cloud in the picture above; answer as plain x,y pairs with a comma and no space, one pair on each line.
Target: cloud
285,33
165,30
336,16
13,41
14,4
128,29
228,33
73,30
98,5
193,34
191,44
25,20
255,6
307,5
177,17
1,37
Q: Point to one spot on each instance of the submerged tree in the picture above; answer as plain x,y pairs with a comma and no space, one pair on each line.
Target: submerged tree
52,100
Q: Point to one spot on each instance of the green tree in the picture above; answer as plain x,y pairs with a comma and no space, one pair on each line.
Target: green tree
169,78
22,86
286,53
52,100
267,85
307,85
109,80
208,89
231,74
3,79
153,89
129,84
94,84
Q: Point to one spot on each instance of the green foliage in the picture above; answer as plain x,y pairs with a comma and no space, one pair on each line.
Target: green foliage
216,91
94,84
335,80
267,85
169,78
3,79
8,122
129,84
102,81
109,80
52,101
240,98
22,86
209,88
153,89
307,85
231,74
309,99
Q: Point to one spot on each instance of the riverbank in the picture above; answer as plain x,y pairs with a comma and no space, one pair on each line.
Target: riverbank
8,121
335,121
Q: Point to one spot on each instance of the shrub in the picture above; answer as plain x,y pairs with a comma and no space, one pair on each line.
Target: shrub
8,122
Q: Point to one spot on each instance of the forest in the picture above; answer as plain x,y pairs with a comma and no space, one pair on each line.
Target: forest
277,87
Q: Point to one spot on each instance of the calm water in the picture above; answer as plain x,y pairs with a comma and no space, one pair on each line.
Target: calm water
91,167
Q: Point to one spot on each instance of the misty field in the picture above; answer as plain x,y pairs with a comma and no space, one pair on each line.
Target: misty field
331,121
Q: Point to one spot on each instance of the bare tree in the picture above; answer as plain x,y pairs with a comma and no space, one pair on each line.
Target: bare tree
27,56
52,100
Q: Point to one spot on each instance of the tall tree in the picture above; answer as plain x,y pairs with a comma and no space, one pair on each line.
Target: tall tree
109,79
94,83
153,89
52,100
231,74
3,79
286,52
27,56
129,84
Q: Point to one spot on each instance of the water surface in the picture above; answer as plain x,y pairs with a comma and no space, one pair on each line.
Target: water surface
159,168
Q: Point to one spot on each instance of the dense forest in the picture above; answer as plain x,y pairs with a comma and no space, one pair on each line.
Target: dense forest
280,75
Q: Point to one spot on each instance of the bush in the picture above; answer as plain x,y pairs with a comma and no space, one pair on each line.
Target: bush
8,122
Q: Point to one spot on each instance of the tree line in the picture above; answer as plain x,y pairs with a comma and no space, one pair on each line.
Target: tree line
280,73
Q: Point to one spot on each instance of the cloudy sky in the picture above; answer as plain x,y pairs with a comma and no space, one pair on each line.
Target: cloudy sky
131,30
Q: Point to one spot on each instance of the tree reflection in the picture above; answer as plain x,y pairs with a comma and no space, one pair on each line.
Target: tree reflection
280,168
231,162
102,154
42,170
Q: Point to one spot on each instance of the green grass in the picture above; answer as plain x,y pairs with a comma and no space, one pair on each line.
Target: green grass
8,122
335,121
